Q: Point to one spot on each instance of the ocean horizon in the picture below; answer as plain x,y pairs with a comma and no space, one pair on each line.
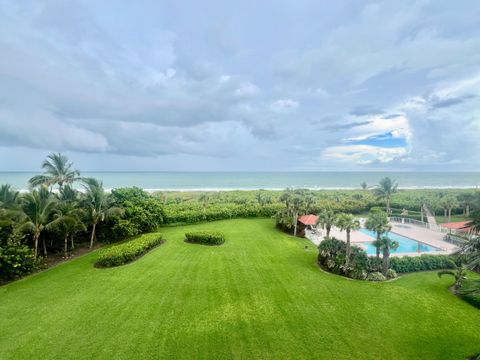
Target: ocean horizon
250,180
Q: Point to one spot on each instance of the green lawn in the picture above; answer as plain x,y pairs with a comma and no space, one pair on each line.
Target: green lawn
454,218
260,296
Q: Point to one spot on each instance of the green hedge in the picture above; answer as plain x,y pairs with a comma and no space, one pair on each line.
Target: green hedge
127,252
205,237
425,262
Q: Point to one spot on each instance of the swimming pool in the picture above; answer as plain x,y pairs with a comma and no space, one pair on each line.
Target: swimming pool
406,245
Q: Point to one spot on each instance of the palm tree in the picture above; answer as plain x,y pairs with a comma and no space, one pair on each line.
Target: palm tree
449,202
58,170
384,190
386,244
459,274
327,219
99,205
347,223
471,251
37,207
377,222
466,200
8,197
364,185
66,222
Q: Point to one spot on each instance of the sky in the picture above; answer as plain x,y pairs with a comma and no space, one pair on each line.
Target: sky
241,85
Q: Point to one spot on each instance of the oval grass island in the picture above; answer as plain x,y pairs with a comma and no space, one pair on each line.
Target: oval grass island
205,237
129,251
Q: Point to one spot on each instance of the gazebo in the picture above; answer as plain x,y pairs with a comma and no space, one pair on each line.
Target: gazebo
306,222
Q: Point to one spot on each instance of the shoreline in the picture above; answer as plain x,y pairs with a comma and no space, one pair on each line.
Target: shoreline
156,190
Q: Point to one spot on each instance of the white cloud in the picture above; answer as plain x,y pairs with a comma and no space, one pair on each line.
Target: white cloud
283,105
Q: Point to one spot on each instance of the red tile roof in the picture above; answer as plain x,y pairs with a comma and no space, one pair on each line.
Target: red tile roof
460,225
308,219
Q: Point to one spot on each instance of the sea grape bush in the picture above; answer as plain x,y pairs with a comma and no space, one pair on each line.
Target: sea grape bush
205,237
127,252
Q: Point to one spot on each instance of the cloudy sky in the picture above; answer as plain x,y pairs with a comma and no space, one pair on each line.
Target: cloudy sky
241,85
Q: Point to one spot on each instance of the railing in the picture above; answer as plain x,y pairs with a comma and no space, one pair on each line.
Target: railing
425,225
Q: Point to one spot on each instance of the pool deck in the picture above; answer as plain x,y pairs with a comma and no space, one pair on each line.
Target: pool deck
414,232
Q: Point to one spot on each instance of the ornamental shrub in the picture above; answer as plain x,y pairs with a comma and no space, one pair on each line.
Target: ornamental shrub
375,276
423,262
205,237
16,259
391,274
127,252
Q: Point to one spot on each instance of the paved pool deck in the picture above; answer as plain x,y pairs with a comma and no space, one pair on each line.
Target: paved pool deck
414,232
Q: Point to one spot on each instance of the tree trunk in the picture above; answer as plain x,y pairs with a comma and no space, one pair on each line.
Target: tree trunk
328,227
388,206
295,225
449,214
347,260
421,213
445,213
44,248
377,249
92,237
386,258
72,243
35,240
65,248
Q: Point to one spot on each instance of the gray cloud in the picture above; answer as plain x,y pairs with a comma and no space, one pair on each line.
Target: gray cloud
254,88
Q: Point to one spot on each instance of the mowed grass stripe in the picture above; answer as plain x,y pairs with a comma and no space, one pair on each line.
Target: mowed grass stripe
260,295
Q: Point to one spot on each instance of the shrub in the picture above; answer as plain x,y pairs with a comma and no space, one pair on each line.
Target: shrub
375,276
205,237
424,262
391,274
127,252
16,259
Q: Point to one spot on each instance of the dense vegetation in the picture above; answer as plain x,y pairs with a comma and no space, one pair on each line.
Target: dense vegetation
205,237
127,252
424,262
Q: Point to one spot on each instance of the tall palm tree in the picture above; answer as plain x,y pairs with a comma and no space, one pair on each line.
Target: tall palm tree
386,244
384,190
99,205
377,221
37,206
327,219
466,200
471,250
347,223
57,170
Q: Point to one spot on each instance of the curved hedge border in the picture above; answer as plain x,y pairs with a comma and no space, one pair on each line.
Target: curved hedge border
205,237
127,252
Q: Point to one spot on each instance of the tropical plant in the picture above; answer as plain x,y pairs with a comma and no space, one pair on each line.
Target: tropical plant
57,170
385,244
38,207
466,201
67,221
364,185
384,190
449,202
347,223
377,221
459,274
326,219
470,250
98,204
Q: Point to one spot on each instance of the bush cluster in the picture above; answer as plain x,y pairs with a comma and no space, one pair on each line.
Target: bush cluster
127,252
424,262
205,237
331,256
376,276
16,258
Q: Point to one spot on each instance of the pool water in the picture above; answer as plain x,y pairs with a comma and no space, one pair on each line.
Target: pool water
406,245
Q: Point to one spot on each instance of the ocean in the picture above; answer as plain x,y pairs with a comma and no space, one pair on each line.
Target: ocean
196,181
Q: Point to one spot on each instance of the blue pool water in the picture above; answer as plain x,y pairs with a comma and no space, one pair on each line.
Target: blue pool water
406,245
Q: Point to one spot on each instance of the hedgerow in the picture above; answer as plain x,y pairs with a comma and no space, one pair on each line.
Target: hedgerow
205,237
424,262
127,252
